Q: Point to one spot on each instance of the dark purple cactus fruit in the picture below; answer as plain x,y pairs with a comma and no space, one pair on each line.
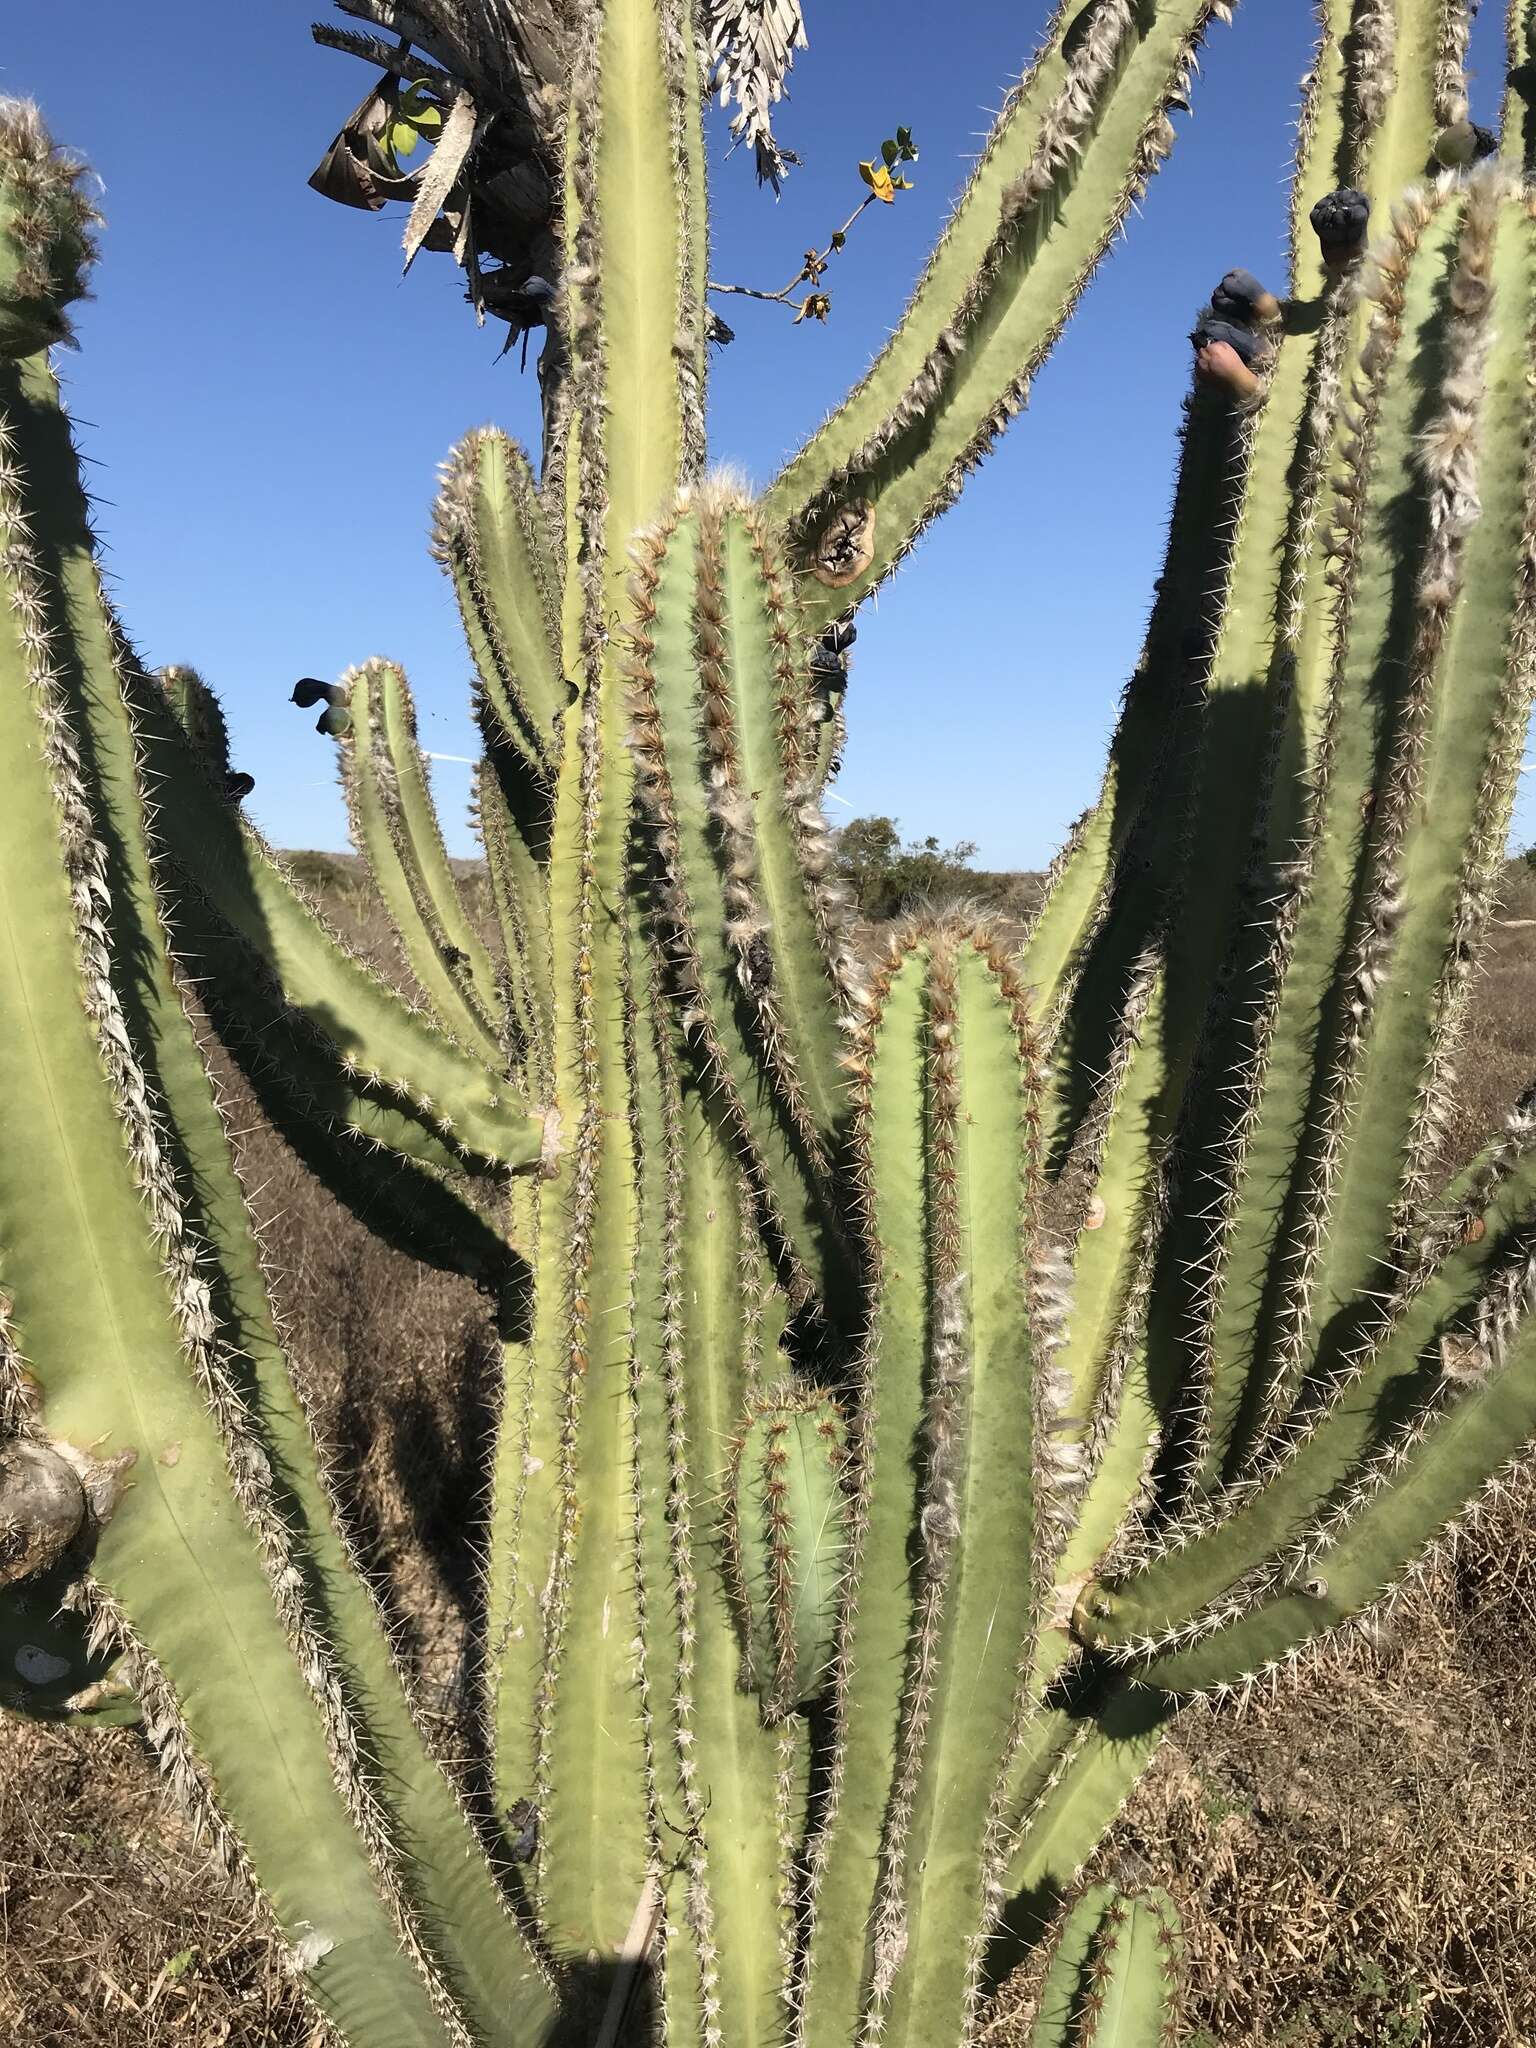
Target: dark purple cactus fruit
1340,220
1246,342
309,691
829,657
334,721
1240,296
1233,337
238,785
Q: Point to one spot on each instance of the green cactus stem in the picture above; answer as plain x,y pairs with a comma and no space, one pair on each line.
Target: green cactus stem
636,433
46,234
241,1690
512,835
916,1377
395,829
786,1542
491,536
943,1442
704,1347
749,907
1113,1975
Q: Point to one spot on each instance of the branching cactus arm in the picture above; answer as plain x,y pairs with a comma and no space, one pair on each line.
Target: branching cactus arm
401,1058
1240,683
1240,592
395,831
205,1526
392,1170
1077,140
491,534
738,851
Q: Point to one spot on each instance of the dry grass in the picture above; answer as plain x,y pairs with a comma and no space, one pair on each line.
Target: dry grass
1355,1858
115,1931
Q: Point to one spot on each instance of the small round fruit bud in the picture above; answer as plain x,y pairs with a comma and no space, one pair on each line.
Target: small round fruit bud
334,721
1340,220
1250,346
1240,296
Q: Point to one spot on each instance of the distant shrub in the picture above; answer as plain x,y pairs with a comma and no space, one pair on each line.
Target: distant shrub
888,877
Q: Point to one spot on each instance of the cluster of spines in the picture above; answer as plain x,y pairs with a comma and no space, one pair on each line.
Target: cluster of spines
46,233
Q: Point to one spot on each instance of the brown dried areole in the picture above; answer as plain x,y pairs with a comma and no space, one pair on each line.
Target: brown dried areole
845,546
42,1509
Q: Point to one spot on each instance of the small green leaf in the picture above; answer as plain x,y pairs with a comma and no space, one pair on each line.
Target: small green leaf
402,138
839,240
179,1965
429,120
906,145
889,151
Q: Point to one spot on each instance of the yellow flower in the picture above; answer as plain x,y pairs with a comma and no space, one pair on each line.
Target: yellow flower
878,178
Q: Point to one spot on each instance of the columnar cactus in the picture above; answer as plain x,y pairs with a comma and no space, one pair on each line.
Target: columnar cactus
924,1364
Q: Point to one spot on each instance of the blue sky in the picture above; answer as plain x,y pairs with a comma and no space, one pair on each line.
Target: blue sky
264,399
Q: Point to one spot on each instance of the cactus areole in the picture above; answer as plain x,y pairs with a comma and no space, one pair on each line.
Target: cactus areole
926,1361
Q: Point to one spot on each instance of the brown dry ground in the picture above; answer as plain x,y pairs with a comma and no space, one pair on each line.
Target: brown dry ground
1355,1857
